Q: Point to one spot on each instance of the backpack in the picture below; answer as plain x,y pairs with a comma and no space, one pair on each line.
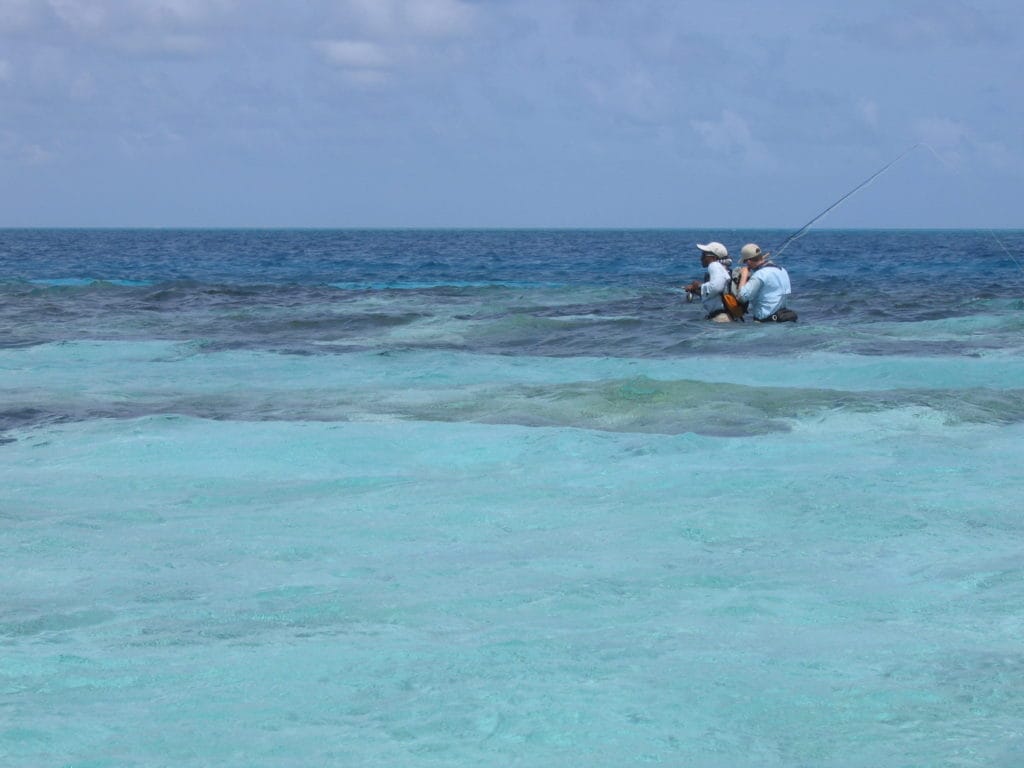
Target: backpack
733,306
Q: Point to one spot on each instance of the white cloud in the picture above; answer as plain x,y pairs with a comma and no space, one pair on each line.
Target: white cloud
79,15
956,145
180,12
368,78
731,136
412,18
34,154
129,26
5,71
942,132
933,25
143,42
362,62
945,137
90,15
439,18
356,54
143,141
12,146
392,34
999,156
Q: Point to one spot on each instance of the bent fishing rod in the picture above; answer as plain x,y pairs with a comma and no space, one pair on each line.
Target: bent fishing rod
803,230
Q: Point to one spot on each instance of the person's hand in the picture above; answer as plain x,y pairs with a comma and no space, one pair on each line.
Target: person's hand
744,276
693,287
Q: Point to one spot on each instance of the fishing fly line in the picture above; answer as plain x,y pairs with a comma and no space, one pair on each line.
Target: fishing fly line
990,231
920,145
803,230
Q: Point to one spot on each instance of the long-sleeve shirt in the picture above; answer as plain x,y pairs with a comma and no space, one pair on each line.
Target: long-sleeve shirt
711,291
766,291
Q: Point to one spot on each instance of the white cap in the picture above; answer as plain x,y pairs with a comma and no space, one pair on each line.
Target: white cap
717,250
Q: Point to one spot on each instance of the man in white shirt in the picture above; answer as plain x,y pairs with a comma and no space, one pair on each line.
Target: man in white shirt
716,282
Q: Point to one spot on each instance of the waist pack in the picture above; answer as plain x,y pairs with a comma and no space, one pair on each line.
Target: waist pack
782,316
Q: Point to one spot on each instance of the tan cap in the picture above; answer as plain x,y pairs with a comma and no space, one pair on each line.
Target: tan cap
752,251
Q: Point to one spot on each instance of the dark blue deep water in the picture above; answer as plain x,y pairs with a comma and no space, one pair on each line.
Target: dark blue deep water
527,292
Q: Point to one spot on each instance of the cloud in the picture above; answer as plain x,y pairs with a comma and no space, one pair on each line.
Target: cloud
439,18
128,26
999,156
13,147
942,132
945,137
177,27
932,24
5,71
181,12
731,136
392,35
412,18
34,154
356,54
363,62
79,15
957,146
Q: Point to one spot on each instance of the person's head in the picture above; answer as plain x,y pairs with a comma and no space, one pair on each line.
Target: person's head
752,256
712,252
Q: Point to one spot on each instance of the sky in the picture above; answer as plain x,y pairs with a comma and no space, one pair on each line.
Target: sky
510,113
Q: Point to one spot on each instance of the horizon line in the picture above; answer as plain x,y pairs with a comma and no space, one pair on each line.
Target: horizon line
441,228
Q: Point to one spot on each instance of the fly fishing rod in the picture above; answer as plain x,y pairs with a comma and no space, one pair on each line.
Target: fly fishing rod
803,230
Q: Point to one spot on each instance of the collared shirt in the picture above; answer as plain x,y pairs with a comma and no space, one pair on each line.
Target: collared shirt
711,291
766,291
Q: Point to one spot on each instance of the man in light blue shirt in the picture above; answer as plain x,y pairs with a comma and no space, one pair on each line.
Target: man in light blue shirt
764,286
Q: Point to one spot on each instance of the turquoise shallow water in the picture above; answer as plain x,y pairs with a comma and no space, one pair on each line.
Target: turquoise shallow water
394,543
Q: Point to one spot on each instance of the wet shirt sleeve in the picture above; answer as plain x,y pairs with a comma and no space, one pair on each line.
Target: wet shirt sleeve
717,280
751,288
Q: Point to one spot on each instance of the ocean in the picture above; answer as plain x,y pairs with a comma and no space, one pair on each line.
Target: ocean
503,498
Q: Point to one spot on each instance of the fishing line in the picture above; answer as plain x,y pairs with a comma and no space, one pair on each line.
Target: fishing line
991,232
920,145
803,230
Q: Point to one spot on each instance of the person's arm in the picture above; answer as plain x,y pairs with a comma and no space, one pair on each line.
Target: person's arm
749,285
717,280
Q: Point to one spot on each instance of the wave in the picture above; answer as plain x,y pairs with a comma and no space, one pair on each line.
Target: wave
635,405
